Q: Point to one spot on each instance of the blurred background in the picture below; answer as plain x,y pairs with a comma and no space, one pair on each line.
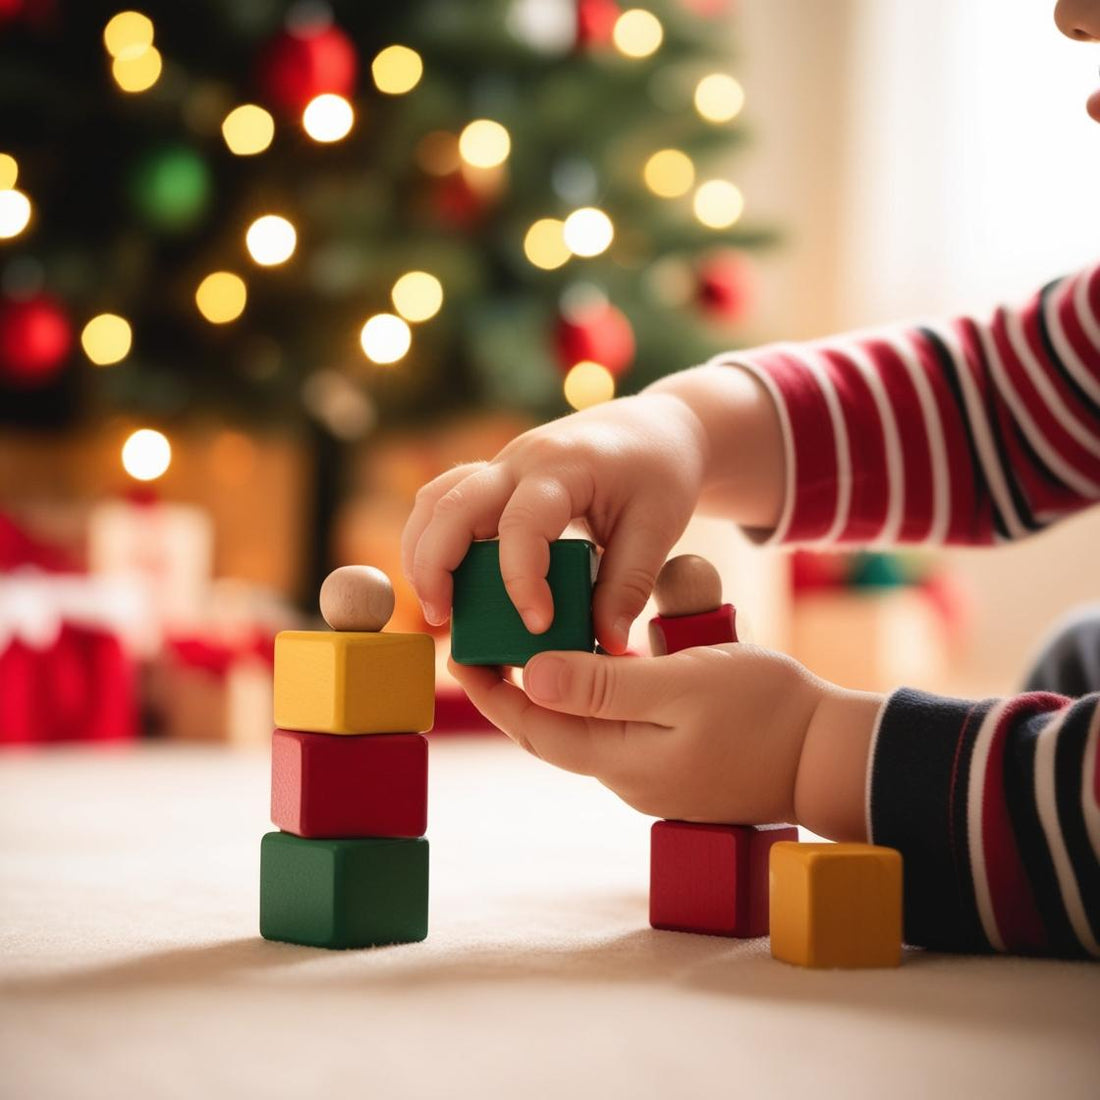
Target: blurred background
267,267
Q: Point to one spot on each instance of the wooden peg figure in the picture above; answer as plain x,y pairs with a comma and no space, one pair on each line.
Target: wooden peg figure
690,608
357,597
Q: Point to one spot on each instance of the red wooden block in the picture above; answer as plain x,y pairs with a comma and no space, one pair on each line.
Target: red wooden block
712,878
335,785
671,633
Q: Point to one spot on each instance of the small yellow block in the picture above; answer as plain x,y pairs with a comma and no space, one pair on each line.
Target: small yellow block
330,681
835,904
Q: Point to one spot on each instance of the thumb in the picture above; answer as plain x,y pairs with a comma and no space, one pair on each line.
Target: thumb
595,686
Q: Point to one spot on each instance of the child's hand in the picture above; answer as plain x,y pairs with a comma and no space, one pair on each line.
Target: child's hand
729,733
631,469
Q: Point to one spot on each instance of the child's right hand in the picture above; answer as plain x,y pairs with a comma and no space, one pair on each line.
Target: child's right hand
632,470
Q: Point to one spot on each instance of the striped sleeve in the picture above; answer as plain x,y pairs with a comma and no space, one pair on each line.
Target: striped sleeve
995,807
963,432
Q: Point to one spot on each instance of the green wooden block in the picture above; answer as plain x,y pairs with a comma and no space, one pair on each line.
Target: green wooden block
343,893
485,626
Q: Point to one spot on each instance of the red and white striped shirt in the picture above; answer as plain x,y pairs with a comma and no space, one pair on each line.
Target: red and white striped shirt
966,432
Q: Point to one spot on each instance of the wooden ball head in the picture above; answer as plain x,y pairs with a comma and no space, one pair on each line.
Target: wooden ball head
357,597
687,585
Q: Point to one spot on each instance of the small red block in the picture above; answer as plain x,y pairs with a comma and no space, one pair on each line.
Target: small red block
712,878
670,634
335,785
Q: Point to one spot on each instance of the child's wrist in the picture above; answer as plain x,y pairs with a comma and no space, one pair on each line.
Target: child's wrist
831,782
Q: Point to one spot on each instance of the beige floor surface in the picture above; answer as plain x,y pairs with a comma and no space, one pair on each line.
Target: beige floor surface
131,964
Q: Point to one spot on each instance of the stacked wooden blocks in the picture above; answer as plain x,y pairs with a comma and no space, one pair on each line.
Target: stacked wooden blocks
349,775
825,905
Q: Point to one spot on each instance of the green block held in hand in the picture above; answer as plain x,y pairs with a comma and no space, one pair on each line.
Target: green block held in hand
486,629
343,893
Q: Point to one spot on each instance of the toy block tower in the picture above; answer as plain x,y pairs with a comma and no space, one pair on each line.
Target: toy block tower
349,775
708,878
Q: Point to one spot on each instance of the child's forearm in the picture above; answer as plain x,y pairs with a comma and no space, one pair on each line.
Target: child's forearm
745,458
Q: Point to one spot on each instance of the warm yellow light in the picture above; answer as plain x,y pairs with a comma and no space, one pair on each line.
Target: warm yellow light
248,130
588,383
417,296
718,97
669,173
718,204
271,240
221,297
106,339
128,34
146,454
328,117
545,244
138,73
637,33
484,143
397,70
15,213
385,338
588,231
9,171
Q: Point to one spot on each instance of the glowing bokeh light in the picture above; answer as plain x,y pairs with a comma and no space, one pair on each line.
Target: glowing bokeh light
248,130
221,297
385,338
588,231
484,143
397,70
328,117
15,213
106,339
637,33
718,204
128,34
139,73
9,171
588,383
146,454
669,173
417,295
544,245
719,98
271,240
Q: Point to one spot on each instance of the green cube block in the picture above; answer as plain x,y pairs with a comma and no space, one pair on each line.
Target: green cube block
486,629
343,893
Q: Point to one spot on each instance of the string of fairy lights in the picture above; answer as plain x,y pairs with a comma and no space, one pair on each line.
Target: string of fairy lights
483,146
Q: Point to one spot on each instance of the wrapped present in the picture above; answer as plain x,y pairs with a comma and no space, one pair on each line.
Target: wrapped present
210,689
65,672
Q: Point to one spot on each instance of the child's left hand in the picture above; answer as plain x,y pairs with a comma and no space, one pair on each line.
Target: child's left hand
726,733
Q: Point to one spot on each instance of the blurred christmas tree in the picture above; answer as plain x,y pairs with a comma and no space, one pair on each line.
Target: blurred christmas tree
337,215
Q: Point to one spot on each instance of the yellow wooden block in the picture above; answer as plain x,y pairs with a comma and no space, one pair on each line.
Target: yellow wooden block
329,681
835,904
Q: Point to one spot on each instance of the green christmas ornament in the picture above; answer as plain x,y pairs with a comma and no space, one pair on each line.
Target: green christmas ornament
874,570
171,188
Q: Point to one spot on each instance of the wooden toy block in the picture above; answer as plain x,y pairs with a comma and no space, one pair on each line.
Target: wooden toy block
354,682
324,785
712,879
486,629
343,893
836,905
672,633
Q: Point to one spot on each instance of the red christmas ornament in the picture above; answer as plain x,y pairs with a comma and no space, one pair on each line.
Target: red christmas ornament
297,66
601,334
595,21
724,286
35,339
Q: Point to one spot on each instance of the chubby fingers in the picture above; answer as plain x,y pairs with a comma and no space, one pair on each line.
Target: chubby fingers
450,513
601,748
